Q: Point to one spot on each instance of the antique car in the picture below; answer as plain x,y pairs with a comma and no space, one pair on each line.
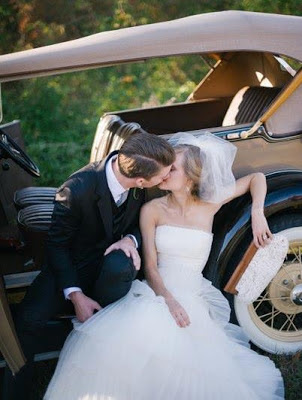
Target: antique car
251,96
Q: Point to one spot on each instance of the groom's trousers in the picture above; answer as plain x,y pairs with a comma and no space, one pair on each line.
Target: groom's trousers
105,281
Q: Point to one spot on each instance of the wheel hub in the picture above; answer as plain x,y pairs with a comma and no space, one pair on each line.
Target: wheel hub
278,311
285,290
296,295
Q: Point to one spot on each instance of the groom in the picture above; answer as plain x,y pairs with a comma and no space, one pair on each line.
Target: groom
92,246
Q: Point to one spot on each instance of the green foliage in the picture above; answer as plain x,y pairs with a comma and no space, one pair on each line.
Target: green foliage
293,7
59,114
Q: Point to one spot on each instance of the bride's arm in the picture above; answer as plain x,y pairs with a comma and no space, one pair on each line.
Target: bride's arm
148,222
147,226
256,184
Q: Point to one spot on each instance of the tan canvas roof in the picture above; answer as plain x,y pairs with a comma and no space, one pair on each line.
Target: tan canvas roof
212,32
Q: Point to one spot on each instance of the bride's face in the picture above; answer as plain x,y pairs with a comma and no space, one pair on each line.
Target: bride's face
177,179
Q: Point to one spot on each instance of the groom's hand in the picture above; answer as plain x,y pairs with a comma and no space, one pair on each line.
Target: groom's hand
127,245
84,306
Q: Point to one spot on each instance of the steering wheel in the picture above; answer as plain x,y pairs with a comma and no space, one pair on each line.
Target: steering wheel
10,149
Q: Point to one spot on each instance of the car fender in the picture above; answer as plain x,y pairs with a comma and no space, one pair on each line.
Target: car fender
232,224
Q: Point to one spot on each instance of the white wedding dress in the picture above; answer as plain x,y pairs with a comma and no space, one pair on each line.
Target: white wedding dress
134,350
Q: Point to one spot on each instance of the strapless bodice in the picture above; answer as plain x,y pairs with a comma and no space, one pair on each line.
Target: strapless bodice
182,253
179,246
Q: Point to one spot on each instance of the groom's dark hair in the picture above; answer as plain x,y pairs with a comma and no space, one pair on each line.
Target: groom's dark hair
143,155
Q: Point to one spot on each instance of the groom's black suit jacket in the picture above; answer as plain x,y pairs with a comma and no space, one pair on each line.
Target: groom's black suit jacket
82,222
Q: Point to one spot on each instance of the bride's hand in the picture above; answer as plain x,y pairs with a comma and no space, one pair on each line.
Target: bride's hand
178,312
261,232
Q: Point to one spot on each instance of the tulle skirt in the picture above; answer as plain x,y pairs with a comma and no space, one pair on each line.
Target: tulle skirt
134,350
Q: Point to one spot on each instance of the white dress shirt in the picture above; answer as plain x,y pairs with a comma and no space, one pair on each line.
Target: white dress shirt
116,189
119,194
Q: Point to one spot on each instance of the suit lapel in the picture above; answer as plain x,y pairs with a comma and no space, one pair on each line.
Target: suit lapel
104,202
134,202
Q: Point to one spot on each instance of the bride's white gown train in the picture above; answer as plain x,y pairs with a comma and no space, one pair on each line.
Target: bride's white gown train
133,349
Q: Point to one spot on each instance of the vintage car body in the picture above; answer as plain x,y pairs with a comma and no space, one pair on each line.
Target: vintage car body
251,97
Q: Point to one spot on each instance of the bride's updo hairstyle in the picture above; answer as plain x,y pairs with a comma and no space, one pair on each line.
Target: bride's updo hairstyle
192,165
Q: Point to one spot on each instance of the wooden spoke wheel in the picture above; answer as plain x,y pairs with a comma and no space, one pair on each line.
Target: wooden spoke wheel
274,321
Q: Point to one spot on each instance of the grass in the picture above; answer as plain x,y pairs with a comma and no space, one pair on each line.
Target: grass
291,369
290,366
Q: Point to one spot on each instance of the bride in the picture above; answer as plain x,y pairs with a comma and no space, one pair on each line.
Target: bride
170,338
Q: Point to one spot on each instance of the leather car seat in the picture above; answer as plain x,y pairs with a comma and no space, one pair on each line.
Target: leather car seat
29,196
248,104
111,133
34,222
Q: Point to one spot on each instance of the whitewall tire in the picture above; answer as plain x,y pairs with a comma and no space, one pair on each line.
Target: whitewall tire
274,322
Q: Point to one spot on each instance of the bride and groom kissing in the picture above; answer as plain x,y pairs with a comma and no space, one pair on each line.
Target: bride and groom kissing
167,336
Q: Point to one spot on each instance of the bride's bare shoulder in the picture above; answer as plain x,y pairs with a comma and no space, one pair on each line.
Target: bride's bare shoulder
155,206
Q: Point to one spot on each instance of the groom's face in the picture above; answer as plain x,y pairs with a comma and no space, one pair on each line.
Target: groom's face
157,179
177,180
